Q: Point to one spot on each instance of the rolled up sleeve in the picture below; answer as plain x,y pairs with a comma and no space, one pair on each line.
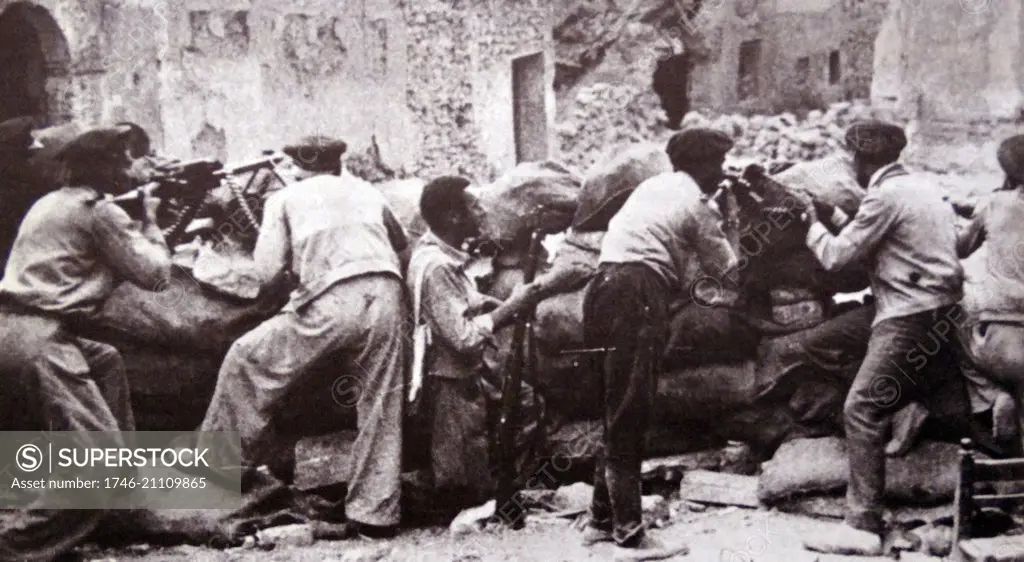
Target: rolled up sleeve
137,253
873,220
447,307
273,250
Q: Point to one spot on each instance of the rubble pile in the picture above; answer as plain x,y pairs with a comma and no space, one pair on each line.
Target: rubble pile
605,116
611,115
785,137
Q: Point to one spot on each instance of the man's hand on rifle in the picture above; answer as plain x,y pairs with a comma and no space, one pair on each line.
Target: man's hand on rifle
150,202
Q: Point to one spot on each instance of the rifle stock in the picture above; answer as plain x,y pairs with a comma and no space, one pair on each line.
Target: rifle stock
506,505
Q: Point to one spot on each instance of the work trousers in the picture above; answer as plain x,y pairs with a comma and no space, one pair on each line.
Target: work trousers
625,308
363,315
56,382
900,353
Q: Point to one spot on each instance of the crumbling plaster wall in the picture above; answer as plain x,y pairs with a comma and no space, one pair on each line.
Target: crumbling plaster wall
430,81
788,30
955,70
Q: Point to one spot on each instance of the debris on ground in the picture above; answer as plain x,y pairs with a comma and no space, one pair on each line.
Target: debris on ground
287,535
472,520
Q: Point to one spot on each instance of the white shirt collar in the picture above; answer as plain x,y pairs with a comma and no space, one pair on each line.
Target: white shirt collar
881,172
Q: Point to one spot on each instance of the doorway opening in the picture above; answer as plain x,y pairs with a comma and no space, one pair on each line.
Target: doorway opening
529,96
34,66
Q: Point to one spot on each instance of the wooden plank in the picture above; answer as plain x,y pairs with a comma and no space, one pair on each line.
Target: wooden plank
323,461
719,488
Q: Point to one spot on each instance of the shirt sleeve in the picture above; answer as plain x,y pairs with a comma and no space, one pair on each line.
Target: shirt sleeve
139,254
970,237
273,250
872,222
715,254
446,305
396,233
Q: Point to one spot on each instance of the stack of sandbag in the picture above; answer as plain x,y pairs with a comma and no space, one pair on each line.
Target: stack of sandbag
609,182
183,315
531,196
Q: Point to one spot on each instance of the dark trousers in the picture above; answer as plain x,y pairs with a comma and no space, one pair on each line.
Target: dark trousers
626,307
900,365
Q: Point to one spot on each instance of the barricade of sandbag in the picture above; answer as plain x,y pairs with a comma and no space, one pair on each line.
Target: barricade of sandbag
533,195
182,315
804,466
611,179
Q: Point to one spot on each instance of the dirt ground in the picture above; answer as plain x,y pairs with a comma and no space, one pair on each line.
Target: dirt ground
717,535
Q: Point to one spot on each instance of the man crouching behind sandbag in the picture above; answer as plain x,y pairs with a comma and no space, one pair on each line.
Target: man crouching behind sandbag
340,240
73,248
462,380
645,258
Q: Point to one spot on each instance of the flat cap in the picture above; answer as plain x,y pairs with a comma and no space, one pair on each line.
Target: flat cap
1011,156
698,144
317,153
876,139
16,133
96,144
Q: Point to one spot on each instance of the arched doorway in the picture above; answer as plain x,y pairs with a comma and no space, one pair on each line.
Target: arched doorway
34,65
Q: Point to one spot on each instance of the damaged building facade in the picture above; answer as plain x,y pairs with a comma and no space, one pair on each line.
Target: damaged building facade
436,86
955,73
768,56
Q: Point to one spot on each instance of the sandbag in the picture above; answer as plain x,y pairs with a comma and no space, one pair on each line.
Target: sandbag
703,392
830,180
533,195
927,474
404,199
702,335
182,315
609,182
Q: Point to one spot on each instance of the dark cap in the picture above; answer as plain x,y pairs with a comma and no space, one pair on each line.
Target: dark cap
1011,156
876,139
96,145
16,133
317,153
697,145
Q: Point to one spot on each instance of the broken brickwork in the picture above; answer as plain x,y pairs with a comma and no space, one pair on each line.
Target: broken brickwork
415,88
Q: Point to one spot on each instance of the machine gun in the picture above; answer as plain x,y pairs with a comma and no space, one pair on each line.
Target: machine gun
190,181
521,361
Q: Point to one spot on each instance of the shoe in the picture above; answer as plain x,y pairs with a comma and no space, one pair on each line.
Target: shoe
649,548
845,540
593,535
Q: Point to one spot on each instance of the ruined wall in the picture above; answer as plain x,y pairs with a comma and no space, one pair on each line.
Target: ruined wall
958,77
429,82
789,30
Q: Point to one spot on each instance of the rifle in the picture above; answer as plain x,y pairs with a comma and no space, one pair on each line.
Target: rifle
190,181
505,503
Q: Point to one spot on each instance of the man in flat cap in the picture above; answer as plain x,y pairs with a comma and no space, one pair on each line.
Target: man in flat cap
644,266
994,335
338,238
74,247
905,229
